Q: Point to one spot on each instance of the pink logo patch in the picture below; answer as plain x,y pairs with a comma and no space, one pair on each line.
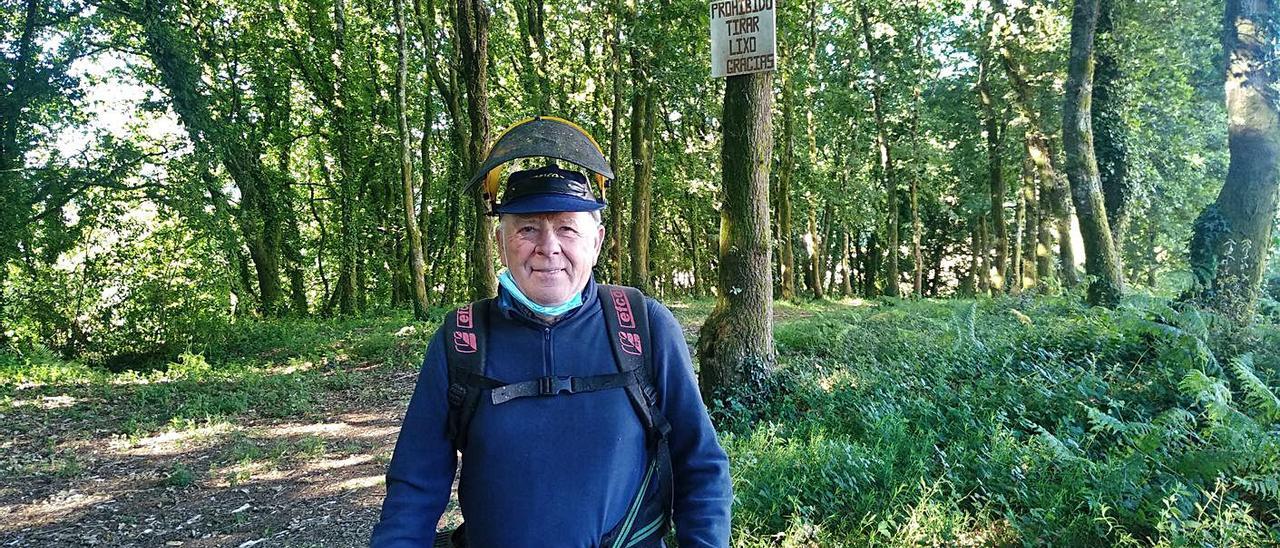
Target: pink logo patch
625,319
464,317
630,343
464,342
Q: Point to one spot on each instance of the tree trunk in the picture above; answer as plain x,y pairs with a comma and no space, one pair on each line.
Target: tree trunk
813,275
615,144
260,216
1035,252
886,164
1233,235
1055,206
472,29
14,103
917,228
1101,260
787,268
846,270
417,266
642,167
735,344
871,266
995,179
533,42
829,248
1018,276
1110,145
969,286
984,257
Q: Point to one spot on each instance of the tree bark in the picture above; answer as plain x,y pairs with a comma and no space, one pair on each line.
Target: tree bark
735,344
995,179
1101,260
259,217
615,144
886,165
1232,236
846,270
1035,252
787,267
472,29
1110,140
1022,275
1055,205
871,266
984,257
642,167
417,266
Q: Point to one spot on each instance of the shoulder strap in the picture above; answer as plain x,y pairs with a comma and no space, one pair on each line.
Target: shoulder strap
626,317
465,334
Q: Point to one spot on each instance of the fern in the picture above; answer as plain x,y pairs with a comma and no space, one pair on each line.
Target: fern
1257,394
1266,486
966,327
1060,450
1205,389
1104,422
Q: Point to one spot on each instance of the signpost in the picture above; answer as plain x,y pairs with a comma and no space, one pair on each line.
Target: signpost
742,37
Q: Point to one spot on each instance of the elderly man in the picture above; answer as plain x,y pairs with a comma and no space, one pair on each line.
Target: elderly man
578,417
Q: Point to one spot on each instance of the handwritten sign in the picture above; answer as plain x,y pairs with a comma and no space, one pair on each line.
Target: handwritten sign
742,37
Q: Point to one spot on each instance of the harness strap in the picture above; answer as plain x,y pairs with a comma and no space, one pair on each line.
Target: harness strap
648,517
465,332
555,385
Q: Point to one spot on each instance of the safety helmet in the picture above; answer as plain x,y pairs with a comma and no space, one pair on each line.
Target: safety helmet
542,137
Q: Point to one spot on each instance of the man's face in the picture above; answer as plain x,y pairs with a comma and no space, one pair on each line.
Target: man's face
550,255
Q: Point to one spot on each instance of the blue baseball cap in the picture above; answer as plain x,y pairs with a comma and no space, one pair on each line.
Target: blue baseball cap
547,189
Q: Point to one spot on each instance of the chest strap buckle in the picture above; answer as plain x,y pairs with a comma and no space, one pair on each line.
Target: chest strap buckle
551,386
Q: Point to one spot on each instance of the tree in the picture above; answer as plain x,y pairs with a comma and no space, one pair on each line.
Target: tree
995,174
735,344
471,24
1110,136
417,266
236,140
1055,205
887,172
1233,235
1102,262
642,121
787,261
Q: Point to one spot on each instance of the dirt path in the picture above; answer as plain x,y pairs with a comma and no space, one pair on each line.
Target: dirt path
313,481
67,478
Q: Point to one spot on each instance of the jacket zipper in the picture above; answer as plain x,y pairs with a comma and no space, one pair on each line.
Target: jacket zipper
546,351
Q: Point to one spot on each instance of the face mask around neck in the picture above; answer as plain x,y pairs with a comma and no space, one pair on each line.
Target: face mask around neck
509,283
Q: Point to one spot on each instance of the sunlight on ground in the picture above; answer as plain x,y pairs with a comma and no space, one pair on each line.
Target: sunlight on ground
343,430
357,484
47,402
169,442
334,464
55,508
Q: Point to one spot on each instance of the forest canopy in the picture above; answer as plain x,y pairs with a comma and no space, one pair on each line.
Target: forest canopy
173,167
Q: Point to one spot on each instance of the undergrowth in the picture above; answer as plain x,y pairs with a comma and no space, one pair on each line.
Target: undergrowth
270,369
1033,421
991,422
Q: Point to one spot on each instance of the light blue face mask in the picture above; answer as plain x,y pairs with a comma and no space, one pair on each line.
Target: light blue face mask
509,283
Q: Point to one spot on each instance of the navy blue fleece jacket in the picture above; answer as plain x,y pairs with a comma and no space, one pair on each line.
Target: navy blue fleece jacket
554,471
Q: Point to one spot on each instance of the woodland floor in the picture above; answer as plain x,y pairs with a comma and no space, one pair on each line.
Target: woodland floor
71,476
305,481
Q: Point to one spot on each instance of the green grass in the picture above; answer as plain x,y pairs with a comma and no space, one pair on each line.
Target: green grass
259,369
1009,421
891,422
